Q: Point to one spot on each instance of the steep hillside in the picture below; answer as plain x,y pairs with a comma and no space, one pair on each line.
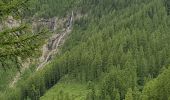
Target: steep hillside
117,50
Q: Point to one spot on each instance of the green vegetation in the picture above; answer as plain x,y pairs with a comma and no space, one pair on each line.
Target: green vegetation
17,41
67,89
158,89
118,50
50,8
6,77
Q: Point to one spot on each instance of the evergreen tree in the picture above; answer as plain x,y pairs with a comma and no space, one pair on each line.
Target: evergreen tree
117,96
17,41
129,95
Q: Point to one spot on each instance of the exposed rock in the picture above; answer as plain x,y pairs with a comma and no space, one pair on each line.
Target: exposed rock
9,22
51,47
50,24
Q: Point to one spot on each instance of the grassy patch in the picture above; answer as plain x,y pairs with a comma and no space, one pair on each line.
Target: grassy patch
67,89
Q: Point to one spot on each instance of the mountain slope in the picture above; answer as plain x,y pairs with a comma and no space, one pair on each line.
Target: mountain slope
117,50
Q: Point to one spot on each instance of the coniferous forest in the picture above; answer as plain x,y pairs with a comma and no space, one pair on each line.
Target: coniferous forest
116,50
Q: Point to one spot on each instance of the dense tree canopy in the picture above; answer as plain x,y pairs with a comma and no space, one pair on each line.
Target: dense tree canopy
120,49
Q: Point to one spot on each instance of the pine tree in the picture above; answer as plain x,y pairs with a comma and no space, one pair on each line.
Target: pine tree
117,97
129,95
136,94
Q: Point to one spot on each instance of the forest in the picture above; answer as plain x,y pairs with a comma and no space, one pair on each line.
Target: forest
117,50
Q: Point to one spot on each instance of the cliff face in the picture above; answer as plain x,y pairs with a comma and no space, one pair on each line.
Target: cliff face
50,24
51,47
55,25
36,24
9,22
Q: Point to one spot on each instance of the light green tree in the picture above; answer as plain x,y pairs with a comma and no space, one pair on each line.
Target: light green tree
129,95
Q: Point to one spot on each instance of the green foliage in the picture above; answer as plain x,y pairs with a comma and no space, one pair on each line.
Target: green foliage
67,89
51,8
117,48
158,89
129,95
17,41
7,76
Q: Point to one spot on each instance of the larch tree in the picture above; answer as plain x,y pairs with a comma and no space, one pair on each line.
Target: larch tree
18,41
